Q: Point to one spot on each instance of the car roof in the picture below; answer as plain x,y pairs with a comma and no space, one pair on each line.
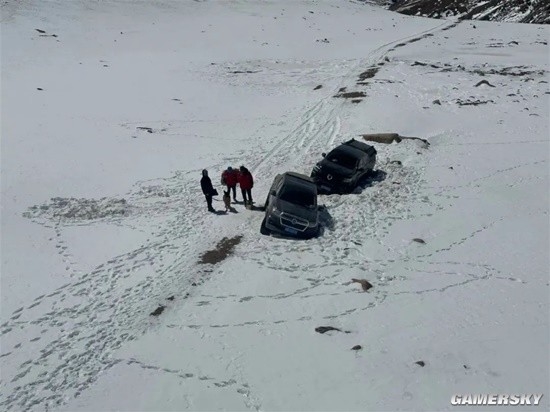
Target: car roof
358,145
349,150
298,176
299,179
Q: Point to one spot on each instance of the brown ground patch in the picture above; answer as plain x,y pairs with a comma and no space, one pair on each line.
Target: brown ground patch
350,95
389,138
368,74
223,249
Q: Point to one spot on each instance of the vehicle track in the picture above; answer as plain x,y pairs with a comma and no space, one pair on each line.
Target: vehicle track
75,330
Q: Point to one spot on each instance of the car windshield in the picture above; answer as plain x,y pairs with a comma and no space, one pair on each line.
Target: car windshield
342,159
298,196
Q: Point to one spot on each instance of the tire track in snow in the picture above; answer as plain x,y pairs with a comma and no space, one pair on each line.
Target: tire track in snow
95,314
105,307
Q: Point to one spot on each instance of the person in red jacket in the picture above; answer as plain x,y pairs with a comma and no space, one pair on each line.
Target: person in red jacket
246,182
230,178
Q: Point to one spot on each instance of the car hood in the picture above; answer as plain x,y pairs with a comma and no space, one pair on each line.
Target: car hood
308,214
327,167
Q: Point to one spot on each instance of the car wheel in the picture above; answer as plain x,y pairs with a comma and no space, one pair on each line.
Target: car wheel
264,230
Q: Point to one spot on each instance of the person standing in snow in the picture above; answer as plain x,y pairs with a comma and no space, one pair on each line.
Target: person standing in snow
246,182
207,189
230,179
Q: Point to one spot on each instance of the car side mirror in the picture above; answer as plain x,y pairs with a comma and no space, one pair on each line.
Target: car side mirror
323,154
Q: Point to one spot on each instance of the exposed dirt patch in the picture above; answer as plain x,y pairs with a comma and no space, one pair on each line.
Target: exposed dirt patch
472,102
368,74
389,138
350,95
72,209
324,329
245,71
514,71
223,249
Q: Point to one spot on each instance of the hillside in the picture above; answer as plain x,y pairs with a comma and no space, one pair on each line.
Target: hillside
519,11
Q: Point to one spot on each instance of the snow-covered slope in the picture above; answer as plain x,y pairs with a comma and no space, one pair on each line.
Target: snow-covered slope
110,110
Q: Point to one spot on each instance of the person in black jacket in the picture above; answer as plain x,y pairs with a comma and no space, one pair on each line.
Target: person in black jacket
207,189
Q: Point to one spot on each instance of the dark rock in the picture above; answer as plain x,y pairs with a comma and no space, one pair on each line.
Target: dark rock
484,82
318,87
357,347
418,240
158,310
365,284
421,363
437,101
40,31
171,297
323,329
39,88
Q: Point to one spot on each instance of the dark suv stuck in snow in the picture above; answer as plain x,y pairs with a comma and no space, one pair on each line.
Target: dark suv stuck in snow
342,168
291,207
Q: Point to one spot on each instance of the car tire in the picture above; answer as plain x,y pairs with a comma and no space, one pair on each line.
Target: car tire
263,229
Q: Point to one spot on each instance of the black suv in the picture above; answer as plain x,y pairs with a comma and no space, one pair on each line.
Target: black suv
291,207
343,168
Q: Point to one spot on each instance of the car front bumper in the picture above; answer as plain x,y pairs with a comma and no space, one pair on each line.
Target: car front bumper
273,224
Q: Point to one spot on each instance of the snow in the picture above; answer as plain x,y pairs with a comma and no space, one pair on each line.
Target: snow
103,219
